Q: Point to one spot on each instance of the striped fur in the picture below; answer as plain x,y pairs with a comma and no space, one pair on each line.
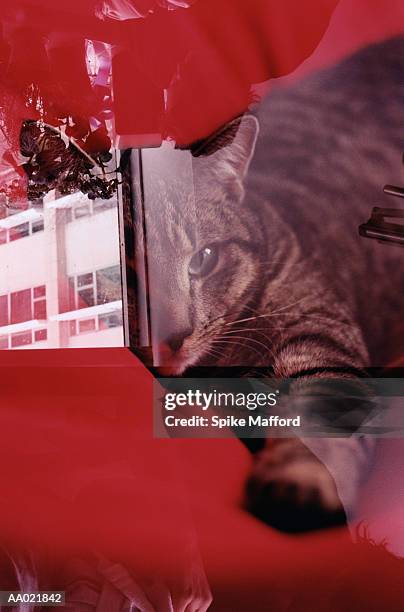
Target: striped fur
327,146
295,289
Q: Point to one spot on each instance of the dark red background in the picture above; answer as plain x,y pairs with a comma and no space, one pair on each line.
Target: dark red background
70,421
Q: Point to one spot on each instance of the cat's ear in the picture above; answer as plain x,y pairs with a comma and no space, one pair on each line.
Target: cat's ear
231,149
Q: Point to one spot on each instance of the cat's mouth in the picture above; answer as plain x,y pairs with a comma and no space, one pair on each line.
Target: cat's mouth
174,363
172,368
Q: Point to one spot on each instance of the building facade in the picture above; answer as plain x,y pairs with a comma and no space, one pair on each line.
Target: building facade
60,279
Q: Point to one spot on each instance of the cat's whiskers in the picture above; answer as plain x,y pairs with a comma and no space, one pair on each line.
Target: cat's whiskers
288,306
271,314
222,316
291,314
243,345
323,318
308,315
241,330
247,329
213,353
248,340
246,307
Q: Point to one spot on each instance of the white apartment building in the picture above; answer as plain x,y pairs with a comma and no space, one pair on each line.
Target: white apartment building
60,284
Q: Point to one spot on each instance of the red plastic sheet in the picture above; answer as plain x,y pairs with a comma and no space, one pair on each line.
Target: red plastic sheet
178,73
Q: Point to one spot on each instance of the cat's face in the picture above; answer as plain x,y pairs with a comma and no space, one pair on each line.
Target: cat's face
203,261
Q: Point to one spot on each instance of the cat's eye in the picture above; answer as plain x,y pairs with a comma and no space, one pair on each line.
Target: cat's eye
203,261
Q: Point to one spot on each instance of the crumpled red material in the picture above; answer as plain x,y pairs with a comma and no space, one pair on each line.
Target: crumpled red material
136,9
180,69
198,72
82,476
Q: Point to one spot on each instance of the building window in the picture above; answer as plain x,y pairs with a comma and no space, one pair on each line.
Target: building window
3,342
39,292
21,339
111,319
108,283
87,325
91,207
21,231
84,210
85,279
24,305
101,205
18,231
85,290
73,328
4,320
40,335
21,306
98,323
39,302
37,226
92,289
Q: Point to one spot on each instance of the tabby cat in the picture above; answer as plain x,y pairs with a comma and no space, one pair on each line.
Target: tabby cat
264,267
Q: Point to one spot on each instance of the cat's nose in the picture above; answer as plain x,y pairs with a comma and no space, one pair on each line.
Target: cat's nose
175,341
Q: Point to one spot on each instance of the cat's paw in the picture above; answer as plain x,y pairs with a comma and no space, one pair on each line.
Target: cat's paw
291,490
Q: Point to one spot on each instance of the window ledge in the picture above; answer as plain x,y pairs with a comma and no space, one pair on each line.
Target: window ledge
82,313
23,326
